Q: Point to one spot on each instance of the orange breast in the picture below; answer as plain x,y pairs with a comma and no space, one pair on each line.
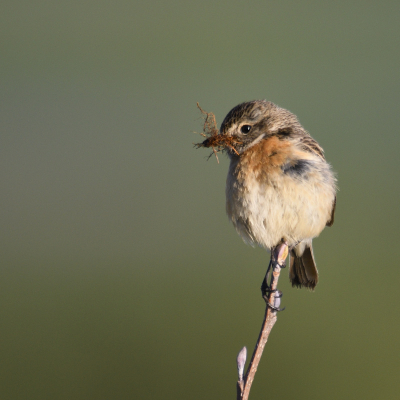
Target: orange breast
265,158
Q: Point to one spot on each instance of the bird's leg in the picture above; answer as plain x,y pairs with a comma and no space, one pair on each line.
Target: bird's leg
278,258
265,287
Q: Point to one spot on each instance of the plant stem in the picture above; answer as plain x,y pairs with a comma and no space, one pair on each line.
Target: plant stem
270,317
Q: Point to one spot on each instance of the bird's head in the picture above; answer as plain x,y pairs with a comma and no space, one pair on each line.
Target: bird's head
249,123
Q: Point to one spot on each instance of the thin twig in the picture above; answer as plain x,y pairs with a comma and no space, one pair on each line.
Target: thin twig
244,386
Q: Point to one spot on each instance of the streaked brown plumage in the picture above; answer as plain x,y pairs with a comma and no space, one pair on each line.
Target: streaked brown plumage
279,185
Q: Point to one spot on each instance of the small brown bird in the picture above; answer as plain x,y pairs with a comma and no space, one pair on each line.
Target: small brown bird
279,185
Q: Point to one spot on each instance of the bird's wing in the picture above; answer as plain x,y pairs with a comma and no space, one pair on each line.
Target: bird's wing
311,145
332,219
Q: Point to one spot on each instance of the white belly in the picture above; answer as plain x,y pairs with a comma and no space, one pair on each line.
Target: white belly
280,207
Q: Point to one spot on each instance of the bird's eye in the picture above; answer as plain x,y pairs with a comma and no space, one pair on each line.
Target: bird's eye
245,129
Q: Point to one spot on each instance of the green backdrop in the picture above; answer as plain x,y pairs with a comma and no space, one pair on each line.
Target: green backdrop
120,276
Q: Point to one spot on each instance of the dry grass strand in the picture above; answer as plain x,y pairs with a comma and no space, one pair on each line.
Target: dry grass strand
214,138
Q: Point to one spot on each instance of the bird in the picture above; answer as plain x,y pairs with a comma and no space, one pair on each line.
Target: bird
279,186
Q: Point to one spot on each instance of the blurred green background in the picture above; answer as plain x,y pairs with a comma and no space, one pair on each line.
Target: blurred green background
120,276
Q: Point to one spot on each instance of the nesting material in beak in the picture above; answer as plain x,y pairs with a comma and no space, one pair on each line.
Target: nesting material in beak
214,138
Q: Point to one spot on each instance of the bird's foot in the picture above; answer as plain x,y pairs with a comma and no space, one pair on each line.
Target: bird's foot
266,291
281,265
277,301
278,261
279,255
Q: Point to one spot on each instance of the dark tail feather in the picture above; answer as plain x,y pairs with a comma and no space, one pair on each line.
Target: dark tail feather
303,271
